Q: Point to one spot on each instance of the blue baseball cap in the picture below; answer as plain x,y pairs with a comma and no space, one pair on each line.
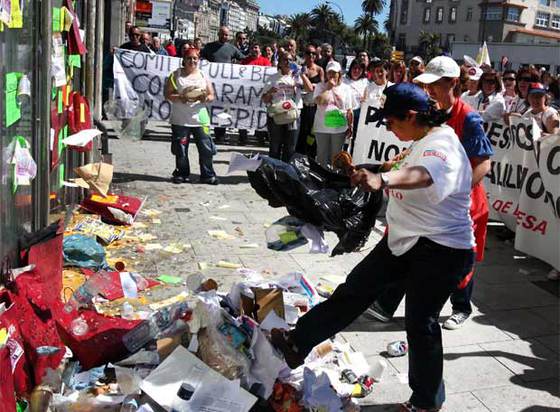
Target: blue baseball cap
401,98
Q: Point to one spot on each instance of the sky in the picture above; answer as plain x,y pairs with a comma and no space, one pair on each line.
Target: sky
351,8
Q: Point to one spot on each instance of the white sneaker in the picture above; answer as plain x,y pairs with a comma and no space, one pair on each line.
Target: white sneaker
456,320
553,275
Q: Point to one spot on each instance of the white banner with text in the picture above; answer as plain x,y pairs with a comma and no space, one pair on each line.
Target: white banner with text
140,81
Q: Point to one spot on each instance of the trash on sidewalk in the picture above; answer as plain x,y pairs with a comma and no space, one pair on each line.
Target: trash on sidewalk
96,177
114,209
319,197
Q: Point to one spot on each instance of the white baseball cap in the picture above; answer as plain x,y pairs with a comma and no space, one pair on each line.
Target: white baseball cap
417,59
334,66
474,73
438,67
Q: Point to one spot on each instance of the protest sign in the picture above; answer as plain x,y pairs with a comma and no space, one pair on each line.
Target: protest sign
374,143
523,186
140,81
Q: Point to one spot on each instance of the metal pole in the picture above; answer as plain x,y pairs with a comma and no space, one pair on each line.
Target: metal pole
42,117
90,59
99,34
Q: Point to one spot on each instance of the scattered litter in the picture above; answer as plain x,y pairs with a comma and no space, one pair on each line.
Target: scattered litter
153,246
397,348
151,212
220,235
172,280
174,248
228,265
156,221
224,207
249,246
202,265
146,237
219,218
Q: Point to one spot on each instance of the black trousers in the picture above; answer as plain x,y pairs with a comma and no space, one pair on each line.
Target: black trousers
391,298
429,272
307,117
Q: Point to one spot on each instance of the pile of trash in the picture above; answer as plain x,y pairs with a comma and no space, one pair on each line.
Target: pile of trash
81,330
317,196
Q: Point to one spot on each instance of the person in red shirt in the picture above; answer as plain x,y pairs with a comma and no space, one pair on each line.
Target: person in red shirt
255,57
170,48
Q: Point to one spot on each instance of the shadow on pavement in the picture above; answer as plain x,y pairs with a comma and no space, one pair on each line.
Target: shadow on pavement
119,177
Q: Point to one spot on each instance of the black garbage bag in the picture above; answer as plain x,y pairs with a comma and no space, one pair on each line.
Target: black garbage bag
320,197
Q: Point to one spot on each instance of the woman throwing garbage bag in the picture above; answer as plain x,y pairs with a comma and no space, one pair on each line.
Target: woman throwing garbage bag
428,245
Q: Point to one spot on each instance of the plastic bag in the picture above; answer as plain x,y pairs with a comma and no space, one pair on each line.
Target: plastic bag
215,350
134,118
83,251
320,197
285,234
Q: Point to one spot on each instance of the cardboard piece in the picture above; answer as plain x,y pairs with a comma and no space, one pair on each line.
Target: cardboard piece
95,176
264,302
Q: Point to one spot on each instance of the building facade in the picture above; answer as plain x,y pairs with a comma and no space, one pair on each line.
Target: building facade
276,24
517,21
203,18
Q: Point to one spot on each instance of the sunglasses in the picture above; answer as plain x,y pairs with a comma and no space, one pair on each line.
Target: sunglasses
509,79
310,53
524,79
191,58
491,81
414,63
136,34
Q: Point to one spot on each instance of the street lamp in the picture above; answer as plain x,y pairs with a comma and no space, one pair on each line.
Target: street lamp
332,3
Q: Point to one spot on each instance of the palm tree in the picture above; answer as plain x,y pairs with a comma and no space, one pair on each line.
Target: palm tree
429,43
365,25
373,7
299,25
323,17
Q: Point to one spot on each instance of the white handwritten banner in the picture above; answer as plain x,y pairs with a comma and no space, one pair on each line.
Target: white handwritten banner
374,143
140,81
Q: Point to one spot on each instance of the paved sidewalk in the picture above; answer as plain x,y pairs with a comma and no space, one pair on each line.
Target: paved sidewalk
504,359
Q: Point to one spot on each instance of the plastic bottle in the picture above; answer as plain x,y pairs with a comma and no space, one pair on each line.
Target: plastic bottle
129,404
83,296
79,326
127,311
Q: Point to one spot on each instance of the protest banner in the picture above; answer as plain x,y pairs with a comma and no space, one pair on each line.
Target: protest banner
140,81
374,143
523,186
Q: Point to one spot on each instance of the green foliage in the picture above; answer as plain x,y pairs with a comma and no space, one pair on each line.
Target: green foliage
429,45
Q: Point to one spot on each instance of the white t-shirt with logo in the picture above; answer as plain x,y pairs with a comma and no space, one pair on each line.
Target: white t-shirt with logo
374,92
439,212
287,87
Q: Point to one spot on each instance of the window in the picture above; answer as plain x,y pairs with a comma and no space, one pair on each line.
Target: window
401,45
555,22
493,13
452,14
439,15
428,1
466,38
404,12
450,39
427,15
545,2
469,14
513,14
542,19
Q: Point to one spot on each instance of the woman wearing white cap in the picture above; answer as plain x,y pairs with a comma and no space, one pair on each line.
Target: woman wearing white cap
471,95
547,117
333,119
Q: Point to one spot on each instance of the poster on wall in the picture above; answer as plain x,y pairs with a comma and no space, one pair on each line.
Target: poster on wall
153,14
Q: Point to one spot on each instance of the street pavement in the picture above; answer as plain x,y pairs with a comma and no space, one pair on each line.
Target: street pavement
506,358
